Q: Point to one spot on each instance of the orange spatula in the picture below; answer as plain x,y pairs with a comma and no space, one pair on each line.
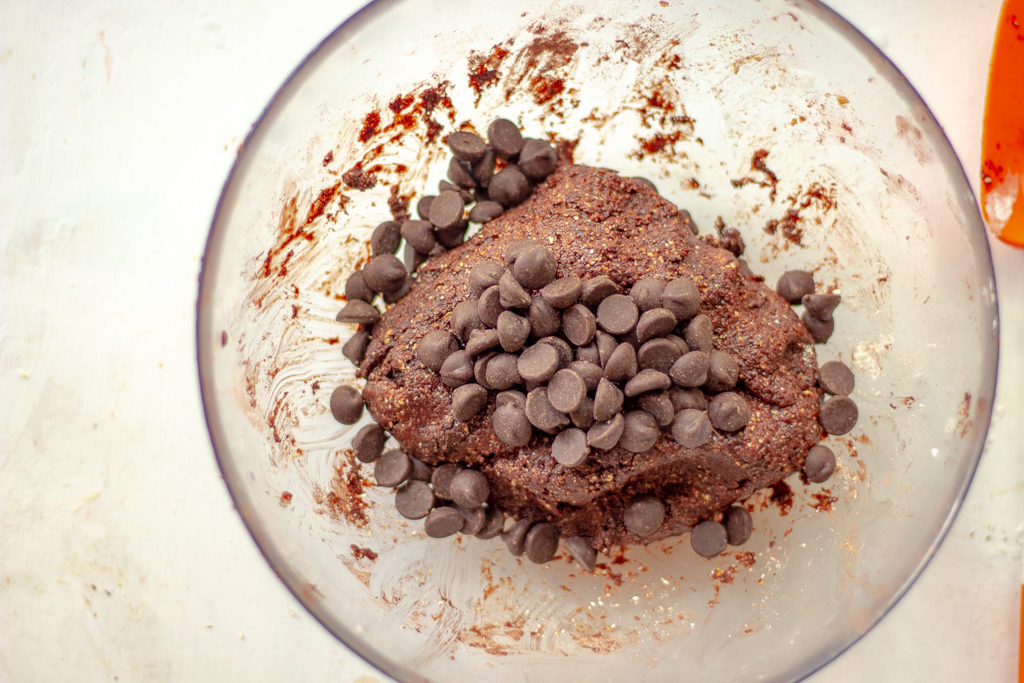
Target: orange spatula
1002,138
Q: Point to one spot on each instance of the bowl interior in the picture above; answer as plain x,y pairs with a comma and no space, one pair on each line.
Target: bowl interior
864,190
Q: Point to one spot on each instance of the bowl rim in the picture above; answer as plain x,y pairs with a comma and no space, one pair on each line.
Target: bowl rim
278,563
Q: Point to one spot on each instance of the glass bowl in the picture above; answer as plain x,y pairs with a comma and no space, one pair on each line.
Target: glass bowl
868,194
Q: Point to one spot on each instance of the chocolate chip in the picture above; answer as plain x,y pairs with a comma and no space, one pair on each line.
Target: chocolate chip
446,210
579,324
413,259
480,368
346,405
385,238
473,519
482,169
449,238
512,293
435,347
357,289
596,289
466,146
606,345
384,273
589,372
820,305
647,380
502,373
646,292
534,267
582,551
467,401
583,416
640,431
494,523
358,311
820,464
484,275
414,500
423,207
679,342
443,521
513,250
512,396
838,415
509,187
589,353
537,159
659,406
441,479
398,294
485,211
794,284
469,488
515,537
420,235
566,390
511,425
835,378
605,435
682,297
465,318
541,542
563,349
687,398
538,363
368,443
708,538
820,330
622,364
657,354
513,331
445,186
738,525
608,400
459,173
457,369
420,470
392,468
569,447
355,348
544,319
691,428
655,322
481,341
723,372
644,516
699,335
505,137
728,412
617,314
563,292
542,414
488,306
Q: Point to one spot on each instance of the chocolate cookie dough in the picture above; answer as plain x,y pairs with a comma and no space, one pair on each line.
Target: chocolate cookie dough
610,232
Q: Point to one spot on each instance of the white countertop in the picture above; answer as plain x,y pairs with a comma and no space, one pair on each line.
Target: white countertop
120,553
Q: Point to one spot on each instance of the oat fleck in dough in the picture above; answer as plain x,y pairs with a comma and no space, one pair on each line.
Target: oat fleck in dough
598,223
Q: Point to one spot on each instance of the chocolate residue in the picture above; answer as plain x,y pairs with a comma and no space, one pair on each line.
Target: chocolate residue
789,225
728,238
286,499
328,158
345,499
362,553
483,68
370,124
823,501
358,179
782,496
757,164
399,204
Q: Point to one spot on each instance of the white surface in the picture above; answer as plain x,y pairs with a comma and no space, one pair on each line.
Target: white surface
120,554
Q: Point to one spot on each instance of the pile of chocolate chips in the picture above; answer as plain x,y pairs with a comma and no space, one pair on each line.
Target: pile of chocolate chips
604,368
607,369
